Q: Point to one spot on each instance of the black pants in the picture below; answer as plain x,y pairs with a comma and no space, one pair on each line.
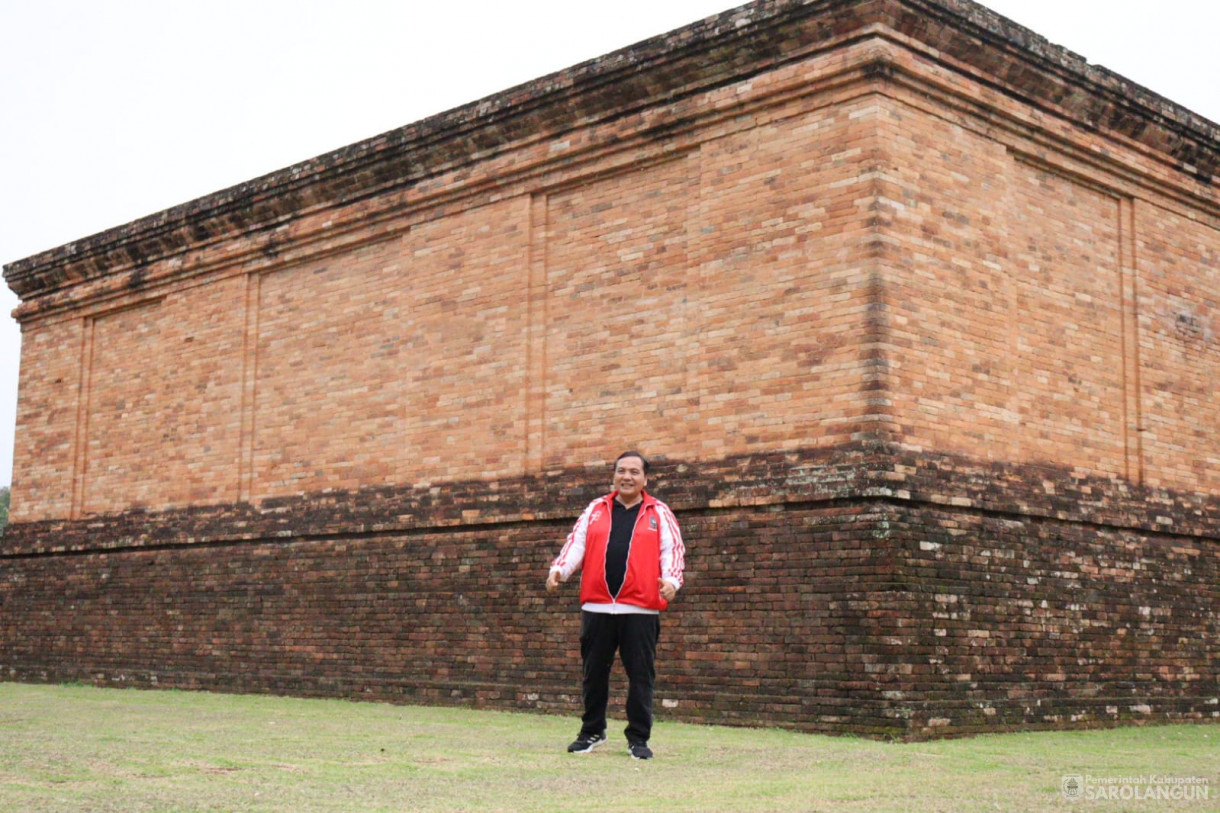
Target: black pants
635,638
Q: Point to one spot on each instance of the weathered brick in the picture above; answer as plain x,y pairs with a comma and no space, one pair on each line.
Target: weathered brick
915,311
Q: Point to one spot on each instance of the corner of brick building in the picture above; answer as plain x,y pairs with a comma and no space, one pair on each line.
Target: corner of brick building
916,345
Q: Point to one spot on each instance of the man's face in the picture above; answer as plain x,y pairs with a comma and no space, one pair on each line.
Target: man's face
629,478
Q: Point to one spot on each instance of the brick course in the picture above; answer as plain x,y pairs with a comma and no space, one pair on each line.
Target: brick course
881,615
915,310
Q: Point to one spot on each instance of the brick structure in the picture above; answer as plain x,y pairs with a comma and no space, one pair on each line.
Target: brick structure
916,311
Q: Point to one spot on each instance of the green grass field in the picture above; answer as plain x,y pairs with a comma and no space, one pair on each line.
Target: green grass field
77,748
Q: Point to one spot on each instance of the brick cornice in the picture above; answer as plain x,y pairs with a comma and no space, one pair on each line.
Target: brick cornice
1027,66
881,473
696,58
711,53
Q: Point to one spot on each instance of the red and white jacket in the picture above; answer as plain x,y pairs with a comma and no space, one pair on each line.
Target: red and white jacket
656,552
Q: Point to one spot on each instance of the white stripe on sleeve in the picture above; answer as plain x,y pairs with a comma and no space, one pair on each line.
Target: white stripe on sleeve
572,555
673,551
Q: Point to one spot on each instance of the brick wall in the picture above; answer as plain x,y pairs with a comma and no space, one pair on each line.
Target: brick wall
1039,310
915,313
905,617
498,339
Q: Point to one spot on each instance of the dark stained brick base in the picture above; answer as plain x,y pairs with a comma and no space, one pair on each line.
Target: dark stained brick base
864,590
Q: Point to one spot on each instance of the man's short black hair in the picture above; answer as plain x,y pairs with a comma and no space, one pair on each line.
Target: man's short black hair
643,460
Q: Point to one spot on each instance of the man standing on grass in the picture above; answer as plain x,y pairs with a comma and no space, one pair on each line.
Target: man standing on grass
630,553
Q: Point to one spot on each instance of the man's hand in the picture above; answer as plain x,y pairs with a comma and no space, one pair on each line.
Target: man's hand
668,591
552,581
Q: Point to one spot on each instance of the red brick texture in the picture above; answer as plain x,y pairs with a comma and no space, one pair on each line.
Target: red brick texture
915,312
886,617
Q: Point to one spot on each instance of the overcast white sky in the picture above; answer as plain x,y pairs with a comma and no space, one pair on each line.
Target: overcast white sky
115,109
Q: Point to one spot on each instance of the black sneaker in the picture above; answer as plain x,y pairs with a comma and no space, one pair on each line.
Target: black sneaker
586,743
639,750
